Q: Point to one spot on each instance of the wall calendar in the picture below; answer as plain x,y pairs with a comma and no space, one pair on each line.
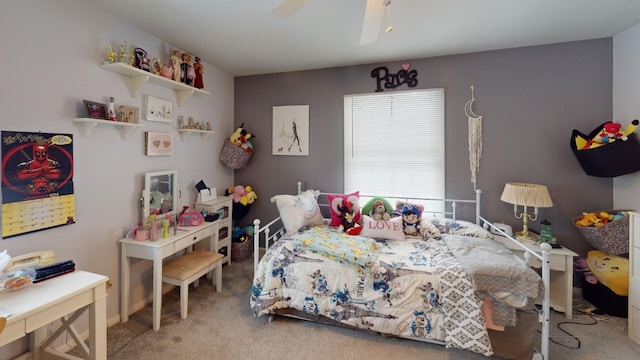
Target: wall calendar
37,182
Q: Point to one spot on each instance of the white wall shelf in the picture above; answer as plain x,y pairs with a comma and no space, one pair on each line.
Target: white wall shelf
87,125
184,133
135,78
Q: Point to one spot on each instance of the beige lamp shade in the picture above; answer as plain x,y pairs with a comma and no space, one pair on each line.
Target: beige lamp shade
526,194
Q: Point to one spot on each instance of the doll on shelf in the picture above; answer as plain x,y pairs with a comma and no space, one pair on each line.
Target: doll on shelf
184,64
191,72
175,65
199,68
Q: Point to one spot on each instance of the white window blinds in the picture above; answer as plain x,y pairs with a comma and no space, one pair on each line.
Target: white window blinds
394,143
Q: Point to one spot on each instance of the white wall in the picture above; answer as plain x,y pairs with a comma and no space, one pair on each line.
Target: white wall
626,107
51,51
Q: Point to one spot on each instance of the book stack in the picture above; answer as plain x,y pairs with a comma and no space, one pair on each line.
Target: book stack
53,270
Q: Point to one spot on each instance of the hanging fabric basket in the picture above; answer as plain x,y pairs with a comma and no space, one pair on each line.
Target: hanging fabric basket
234,156
612,238
608,160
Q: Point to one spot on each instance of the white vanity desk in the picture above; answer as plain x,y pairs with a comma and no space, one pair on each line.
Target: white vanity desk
156,251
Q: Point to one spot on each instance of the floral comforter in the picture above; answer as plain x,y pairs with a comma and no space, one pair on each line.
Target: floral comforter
411,288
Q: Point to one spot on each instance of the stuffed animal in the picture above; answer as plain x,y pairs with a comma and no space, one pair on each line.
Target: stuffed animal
429,230
589,219
411,219
347,214
581,266
610,132
240,136
379,211
610,270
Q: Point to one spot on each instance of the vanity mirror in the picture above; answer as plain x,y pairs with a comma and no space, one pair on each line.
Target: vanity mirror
160,194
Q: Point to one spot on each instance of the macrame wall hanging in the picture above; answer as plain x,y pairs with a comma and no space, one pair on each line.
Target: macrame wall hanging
475,138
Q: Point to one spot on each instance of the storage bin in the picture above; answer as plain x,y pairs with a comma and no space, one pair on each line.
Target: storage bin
612,238
609,160
234,156
605,300
241,251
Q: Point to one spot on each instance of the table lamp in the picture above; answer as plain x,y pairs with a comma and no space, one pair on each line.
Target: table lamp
526,195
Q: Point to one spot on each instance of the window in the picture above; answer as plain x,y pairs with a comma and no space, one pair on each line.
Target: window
394,143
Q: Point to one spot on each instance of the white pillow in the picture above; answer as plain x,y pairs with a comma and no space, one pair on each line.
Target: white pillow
298,211
381,229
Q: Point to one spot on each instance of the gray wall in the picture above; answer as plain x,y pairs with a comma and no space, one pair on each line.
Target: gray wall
531,99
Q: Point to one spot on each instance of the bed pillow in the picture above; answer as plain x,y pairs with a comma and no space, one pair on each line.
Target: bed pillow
298,211
336,201
377,207
456,227
381,229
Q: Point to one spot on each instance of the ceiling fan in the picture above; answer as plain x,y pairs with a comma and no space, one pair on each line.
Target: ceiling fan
371,23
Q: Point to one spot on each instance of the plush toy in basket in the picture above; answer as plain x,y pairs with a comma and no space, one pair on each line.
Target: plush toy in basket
606,230
243,197
237,149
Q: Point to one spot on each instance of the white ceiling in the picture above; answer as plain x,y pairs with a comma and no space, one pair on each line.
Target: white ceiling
242,37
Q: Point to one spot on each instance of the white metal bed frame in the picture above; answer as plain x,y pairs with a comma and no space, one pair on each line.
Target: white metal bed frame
268,235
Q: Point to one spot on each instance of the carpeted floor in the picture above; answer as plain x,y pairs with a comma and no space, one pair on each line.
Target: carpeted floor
221,326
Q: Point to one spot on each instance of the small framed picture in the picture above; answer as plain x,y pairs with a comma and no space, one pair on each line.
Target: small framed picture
158,109
158,143
95,110
128,114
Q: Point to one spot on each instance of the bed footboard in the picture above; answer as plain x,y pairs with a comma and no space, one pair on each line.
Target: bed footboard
545,258
267,235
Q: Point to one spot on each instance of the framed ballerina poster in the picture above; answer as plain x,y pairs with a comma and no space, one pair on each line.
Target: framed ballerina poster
290,130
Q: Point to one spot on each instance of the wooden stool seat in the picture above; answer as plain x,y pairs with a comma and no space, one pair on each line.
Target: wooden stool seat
189,268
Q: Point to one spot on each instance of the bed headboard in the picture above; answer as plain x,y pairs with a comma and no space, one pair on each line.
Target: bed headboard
449,207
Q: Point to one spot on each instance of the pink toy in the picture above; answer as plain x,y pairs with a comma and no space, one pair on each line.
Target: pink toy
190,218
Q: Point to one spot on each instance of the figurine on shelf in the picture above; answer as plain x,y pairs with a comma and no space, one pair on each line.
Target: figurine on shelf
180,122
175,65
191,123
199,69
111,110
132,56
208,126
123,52
111,54
191,72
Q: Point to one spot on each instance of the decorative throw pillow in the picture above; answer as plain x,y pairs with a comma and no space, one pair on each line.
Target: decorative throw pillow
382,229
342,204
457,227
298,211
378,208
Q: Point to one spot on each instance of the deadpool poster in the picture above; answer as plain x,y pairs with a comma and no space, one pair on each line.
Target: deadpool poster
37,182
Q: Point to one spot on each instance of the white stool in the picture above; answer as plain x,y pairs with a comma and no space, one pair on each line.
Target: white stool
189,268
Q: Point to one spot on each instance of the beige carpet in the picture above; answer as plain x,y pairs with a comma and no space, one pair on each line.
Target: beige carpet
221,326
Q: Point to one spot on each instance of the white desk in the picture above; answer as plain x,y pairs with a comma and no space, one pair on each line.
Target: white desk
156,251
561,273
37,305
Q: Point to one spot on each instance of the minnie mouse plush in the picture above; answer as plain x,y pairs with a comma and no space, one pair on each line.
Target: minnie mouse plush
347,214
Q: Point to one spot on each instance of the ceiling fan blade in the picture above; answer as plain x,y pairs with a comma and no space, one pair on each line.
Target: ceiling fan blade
372,21
288,7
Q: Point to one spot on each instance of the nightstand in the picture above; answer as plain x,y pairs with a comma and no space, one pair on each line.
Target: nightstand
561,274
222,204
